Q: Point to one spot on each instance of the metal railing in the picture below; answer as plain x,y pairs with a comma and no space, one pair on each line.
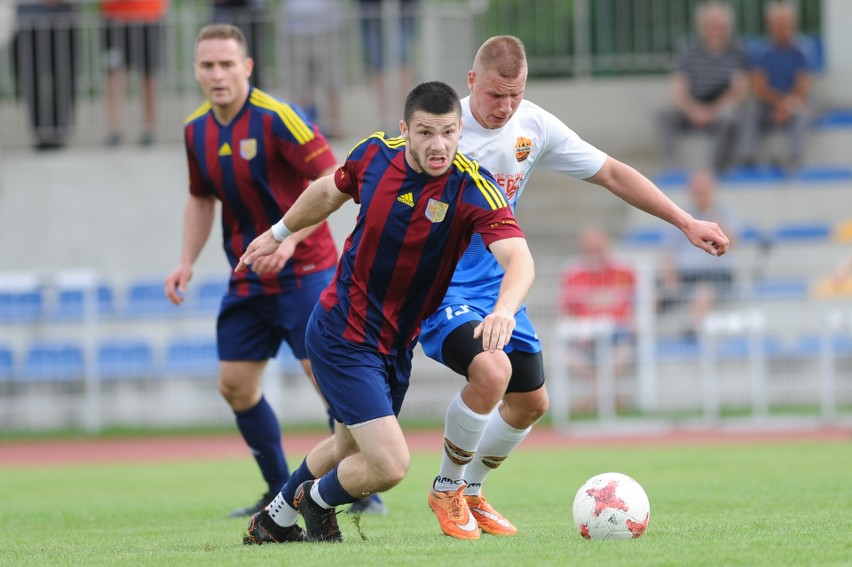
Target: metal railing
101,356
53,76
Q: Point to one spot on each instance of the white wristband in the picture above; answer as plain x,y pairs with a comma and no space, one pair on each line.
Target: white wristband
280,231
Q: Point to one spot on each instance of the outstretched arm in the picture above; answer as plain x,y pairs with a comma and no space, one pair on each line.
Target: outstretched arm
199,214
275,262
637,190
314,205
514,256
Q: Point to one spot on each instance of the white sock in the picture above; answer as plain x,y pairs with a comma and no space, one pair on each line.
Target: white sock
316,497
281,512
463,429
498,442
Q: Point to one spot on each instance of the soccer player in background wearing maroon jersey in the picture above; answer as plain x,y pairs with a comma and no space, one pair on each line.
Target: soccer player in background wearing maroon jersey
421,202
255,155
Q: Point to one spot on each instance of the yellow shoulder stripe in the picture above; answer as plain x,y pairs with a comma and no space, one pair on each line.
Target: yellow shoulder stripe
389,142
200,111
300,130
490,191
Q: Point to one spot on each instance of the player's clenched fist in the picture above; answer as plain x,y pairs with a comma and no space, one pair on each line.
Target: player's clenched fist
263,245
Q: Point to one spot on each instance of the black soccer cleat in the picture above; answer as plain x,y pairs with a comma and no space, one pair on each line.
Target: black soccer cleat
263,529
320,523
254,508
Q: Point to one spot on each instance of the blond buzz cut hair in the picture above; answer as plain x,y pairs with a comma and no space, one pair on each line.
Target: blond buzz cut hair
222,31
503,54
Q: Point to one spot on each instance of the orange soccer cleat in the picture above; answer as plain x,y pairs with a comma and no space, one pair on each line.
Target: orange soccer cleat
453,514
489,519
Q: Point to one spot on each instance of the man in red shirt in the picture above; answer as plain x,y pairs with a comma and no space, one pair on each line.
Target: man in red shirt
598,288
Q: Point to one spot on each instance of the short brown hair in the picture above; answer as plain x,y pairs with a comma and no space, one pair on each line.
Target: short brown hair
222,31
504,54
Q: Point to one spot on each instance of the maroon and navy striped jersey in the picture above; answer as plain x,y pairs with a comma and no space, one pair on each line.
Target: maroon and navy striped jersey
257,166
410,232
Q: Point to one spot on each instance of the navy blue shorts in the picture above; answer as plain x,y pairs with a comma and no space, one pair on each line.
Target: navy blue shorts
253,328
358,383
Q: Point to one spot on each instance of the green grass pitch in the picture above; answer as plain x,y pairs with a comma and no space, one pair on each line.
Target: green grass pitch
715,505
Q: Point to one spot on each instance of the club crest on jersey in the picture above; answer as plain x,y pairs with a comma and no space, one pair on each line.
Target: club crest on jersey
436,210
523,147
248,148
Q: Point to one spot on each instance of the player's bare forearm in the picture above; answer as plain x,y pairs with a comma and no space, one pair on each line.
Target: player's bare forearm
514,256
300,235
314,205
635,189
199,214
263,245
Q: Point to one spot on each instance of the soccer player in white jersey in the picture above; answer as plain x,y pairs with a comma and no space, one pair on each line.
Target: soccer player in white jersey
510,136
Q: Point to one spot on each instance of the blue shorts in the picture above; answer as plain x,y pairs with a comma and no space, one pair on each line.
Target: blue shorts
358,383
253,328
456,311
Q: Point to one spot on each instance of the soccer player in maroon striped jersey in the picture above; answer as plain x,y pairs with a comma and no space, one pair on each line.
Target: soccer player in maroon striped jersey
420,204
255,155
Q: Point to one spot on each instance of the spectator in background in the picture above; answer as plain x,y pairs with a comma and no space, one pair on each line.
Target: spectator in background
133,39
250,16
781,84
379,56
315,45
44,59
597,287
687,278
709,85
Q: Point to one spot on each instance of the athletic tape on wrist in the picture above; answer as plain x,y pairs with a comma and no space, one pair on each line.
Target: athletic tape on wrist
280,231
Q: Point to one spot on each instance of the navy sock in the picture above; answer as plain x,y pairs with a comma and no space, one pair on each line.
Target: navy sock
259,427
332,491
300,475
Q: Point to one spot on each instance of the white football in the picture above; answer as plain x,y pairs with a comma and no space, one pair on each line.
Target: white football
611,506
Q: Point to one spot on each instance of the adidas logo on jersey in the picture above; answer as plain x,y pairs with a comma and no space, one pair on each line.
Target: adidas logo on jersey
225,150
406,198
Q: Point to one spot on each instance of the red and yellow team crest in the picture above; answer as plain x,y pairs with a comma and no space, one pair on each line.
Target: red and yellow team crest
248,148
523,147
436,210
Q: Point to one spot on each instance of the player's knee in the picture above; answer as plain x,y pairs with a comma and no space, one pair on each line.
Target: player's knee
392,472
490,372
238,396
523,410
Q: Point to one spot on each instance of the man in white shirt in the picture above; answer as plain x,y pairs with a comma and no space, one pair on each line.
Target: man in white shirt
509,136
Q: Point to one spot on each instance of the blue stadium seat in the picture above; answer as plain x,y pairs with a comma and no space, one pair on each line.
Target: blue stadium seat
69,303
739,347
750,234
118,360
750,176
7,363
780,288
146,299
210,294
677,348
648,236
811,345
824,173
54,362
802,232
21,306
672,178
834,119
192,357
